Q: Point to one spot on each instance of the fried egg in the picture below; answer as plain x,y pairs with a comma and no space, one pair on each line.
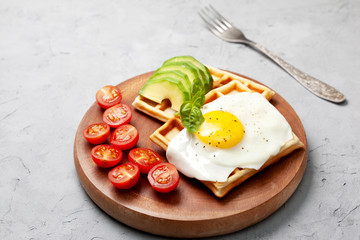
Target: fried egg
241,130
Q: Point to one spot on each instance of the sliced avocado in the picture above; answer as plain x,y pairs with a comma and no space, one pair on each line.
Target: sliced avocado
189,69
197,64
181,77
166,88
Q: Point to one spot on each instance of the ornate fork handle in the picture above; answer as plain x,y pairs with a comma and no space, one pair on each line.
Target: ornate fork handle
314,85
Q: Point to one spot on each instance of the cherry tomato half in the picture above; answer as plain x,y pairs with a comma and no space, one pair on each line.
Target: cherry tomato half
145,158
124,176
163,177
125,137
108,96
117,115
106,155
97,133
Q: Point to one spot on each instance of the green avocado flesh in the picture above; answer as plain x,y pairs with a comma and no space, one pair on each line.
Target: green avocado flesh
184,68
166,88
182,78
205,71
174,81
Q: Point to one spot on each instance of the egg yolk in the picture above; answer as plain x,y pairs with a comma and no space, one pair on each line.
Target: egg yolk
221,129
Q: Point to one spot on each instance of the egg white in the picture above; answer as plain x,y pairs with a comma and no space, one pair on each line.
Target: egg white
266,130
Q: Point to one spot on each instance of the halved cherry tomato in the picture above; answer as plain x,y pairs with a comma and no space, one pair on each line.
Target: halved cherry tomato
97,133
125,137
108,96
145,158
106,155
117,115
163,177
124,176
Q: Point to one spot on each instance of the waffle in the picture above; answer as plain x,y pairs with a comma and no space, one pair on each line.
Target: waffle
222,77
163,111
163,135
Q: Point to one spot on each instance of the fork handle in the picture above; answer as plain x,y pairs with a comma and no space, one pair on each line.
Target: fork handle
314,85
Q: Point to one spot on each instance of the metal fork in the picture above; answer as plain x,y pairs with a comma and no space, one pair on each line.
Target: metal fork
226,31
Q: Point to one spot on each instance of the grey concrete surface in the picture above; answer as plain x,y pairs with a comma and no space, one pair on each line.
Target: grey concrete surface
54,56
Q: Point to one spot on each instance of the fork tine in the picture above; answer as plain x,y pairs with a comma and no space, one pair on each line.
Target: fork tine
213,26
214,19
220,17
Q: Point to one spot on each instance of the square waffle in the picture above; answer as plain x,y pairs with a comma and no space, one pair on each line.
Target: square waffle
222,77
163,111
163,135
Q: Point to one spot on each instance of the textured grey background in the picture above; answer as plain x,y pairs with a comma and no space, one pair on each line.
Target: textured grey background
54,56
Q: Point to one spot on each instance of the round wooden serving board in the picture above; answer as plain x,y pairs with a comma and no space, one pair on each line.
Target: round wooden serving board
191,210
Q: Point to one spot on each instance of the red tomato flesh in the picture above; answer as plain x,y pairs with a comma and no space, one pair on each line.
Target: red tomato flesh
163,177
125,137
117,115
124,176
106,156
145,158
108,96
97,133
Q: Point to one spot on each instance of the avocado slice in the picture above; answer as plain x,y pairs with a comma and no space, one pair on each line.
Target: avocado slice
182,77
166,88
198,64
187,68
